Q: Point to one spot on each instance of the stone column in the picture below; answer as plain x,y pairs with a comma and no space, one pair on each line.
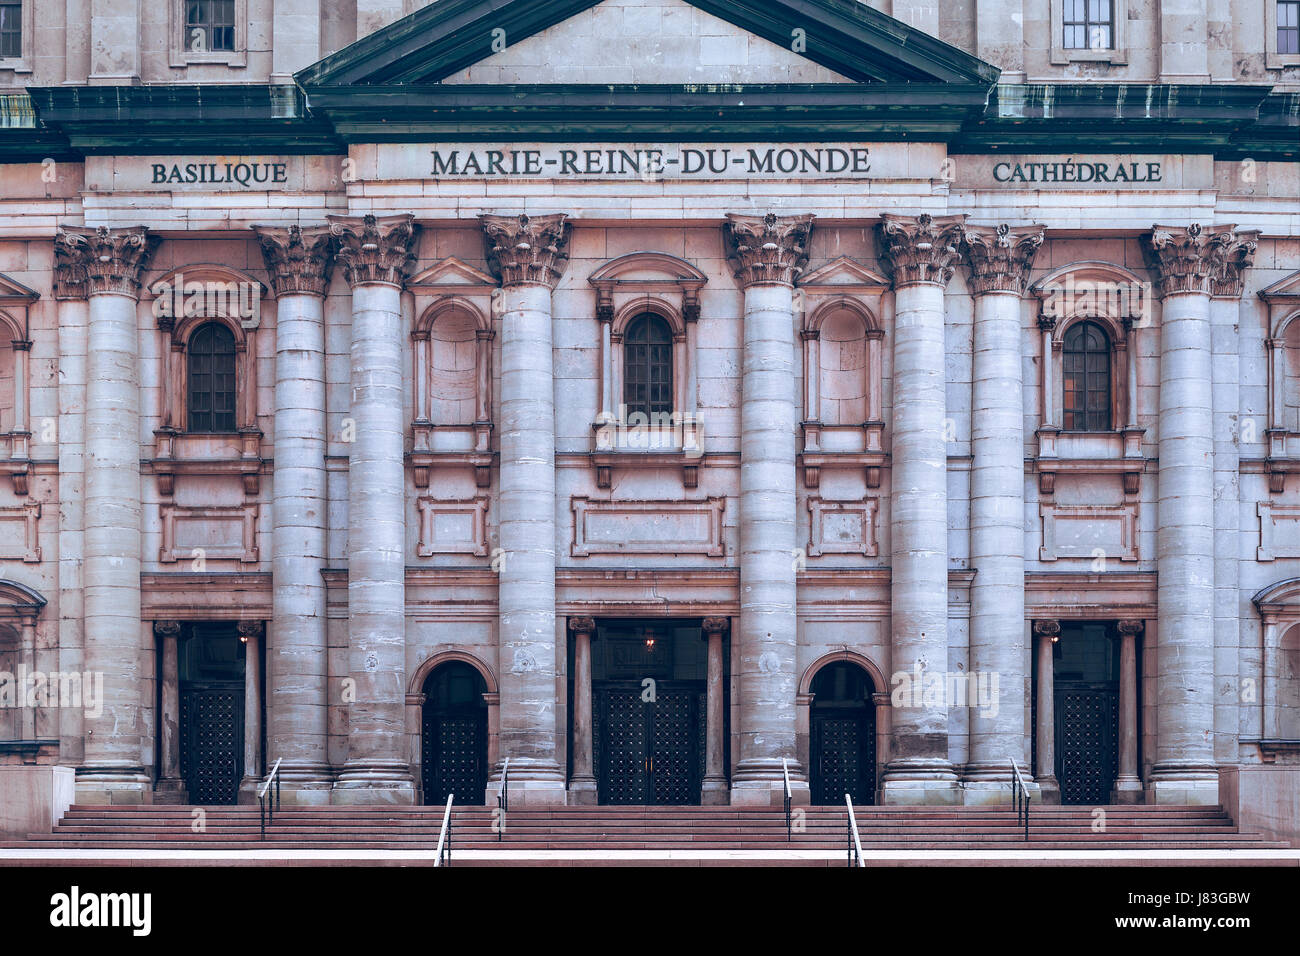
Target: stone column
170,787
529,255
1000,261
1183,260
582,783
250,632
27,662
1128,785
1046,633
714,790
376,255
112,262
299,262
767,255
920,252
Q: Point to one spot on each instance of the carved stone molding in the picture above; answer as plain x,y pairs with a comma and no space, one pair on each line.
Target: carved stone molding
1229,276
916,249
170,629
374,249
248,630
527,250
1132,627
97,260
715,625
299,260
1191,258
767,249
582,625
1050,629
1001,257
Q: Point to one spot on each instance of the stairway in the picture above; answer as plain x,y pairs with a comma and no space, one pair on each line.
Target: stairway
645,828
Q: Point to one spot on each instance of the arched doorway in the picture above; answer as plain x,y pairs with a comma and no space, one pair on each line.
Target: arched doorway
842,726
454,739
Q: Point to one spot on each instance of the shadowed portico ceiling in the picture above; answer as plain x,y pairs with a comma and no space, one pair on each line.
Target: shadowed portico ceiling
846,36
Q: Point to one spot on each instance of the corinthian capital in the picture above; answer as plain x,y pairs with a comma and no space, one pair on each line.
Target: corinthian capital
527,250
90,260
767,249
1000,257
299,260
1189,258
916,249
1229,276
371,249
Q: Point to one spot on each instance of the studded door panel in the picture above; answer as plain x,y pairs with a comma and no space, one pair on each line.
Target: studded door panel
454,757
1087,744
674,749
212,734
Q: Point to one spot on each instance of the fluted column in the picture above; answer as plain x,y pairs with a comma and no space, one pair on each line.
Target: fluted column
1184,260
1046,634
170,788
582,783
714,790
299,262
1128,786
528,254
250,633
920,252
767,255
111,262
376,255
1000,260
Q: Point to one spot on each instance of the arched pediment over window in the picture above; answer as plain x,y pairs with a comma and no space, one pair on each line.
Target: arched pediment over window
18,601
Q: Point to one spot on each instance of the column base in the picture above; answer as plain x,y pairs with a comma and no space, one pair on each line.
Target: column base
126,786
248,788
1128,791
582,792
533,783
761,783
1050,790
170,791
374,782
992,785
714,792
920,781
1184,785
305,785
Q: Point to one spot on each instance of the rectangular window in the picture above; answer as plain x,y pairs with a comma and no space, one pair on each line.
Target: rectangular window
1089,25
11,30
209,25
1288,26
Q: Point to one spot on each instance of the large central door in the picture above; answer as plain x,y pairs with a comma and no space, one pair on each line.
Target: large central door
649,700
212,712
648,751
1086,711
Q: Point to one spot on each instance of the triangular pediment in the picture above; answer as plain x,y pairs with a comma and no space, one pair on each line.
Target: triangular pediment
13,292
1287,287
844,275
650,41
451,274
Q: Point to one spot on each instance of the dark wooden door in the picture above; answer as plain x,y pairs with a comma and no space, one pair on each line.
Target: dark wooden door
455,756
843,758
648,751
212,731
1087,742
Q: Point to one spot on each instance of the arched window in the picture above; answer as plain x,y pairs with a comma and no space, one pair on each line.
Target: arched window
1086,378
648,366
210,405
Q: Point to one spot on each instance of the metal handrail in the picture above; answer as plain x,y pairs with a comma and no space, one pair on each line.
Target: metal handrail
444,836
274,802
1020,796
854,841
785,770
503,798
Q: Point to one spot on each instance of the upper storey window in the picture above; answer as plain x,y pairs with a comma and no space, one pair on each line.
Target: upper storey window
11,30
1086,375
1288,27
210,25
648,366
211,400
1089,25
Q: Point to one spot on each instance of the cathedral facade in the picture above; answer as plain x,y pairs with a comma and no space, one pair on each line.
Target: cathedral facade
650,401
